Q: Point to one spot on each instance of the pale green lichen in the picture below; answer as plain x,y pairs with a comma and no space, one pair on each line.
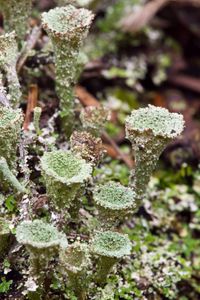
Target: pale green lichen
87,146
9,177
16,14
75,261
10,128
114,202
64,174
4,235
150,130
8,60
36,119
94,118
67,28
110,247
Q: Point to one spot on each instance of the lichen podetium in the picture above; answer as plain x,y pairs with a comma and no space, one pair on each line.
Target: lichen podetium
150,130
8,61
16,14
67,28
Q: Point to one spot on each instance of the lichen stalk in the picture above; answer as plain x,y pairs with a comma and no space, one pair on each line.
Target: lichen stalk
150,130
114,202
109,247
36,119
67,28
10,128
4,236
64,175
16,14
75,261
8,60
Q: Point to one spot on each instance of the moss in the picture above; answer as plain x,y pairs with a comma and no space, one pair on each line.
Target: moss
16,14
150,130
114,202
8,60
10,128
67,28
64,174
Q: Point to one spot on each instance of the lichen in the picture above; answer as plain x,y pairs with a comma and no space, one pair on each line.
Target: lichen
94,118
110,247
4,235
75,261
87,146
16,14
10,128
36,119
114,202
67,28
8,60
64,174
150,130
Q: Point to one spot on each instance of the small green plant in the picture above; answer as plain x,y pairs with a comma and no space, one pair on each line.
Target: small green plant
4,235
67,28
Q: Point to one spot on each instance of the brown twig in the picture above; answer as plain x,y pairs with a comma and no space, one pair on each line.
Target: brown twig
30,44
32,103
185,81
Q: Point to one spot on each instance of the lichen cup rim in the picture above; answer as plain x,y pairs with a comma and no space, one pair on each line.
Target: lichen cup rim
59,11
173,127
17,113
23,233
66,262
84,173
99,241
102,192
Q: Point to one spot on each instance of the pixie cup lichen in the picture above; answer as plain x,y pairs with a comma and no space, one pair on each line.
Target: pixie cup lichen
67,28
94,118
8,60
150,130
114,203
109,247
4,235
10,128
43,242
16,14
75,261
64,174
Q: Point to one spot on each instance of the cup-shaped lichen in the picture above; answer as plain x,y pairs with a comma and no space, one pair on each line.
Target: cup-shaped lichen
150,129
94,118
75,261
87,146
4,235
67,28
110,247
10,128
16,14
8,60
64,174
114,203
43,242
